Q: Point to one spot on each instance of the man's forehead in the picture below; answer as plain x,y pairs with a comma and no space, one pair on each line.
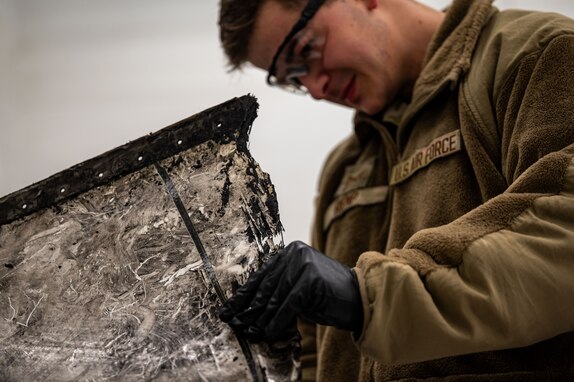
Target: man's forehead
273,23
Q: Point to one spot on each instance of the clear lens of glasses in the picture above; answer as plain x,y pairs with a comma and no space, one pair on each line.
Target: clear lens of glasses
295,59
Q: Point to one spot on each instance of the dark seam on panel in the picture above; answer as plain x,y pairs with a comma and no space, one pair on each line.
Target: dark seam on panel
252,363
191,229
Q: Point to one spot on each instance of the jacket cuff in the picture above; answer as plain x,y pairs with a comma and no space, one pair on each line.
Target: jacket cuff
360,270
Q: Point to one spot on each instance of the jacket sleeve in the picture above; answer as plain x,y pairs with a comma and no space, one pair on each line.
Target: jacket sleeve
509,282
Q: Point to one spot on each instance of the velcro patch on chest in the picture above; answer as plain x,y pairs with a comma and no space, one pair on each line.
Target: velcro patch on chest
356,176
440,147
355,198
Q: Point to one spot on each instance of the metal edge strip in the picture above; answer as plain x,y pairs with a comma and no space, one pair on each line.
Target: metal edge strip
228,121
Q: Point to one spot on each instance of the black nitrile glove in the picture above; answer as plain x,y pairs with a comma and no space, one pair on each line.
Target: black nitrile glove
298,281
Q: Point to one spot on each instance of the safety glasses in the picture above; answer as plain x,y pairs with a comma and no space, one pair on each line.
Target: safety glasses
298,49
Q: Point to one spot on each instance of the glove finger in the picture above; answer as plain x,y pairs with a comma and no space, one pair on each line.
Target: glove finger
289,333
260,302
286,293
282,308
270,284
263,304
251,294
246,317
293,305
272,297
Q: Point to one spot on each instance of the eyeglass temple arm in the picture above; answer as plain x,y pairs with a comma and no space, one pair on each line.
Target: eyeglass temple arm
309,11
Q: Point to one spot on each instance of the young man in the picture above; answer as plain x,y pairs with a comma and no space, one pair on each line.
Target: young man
448,217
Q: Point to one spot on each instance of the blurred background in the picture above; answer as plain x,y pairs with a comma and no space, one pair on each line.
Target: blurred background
79,77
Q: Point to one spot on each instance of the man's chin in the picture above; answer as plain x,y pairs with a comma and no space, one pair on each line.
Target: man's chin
370,108
367,107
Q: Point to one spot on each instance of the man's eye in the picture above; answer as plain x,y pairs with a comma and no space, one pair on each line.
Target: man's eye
306,51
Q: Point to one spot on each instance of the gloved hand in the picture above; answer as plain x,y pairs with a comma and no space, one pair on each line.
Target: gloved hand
298,281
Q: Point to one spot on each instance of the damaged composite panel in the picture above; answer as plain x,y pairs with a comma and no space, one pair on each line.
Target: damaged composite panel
115,268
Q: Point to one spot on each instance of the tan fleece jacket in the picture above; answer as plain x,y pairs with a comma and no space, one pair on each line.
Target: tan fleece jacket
458,212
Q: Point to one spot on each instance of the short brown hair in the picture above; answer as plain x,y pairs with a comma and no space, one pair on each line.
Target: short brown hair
236,21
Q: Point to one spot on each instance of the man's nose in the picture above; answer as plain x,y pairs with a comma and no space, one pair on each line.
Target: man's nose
317,83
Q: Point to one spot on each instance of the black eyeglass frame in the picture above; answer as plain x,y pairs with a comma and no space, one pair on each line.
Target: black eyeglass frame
308,12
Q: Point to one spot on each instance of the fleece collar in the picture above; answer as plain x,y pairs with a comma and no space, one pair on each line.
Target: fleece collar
450,51
447,59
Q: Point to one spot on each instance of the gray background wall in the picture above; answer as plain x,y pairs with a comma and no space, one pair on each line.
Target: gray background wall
80,77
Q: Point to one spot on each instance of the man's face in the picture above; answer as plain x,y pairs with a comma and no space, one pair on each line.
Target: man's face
363,61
